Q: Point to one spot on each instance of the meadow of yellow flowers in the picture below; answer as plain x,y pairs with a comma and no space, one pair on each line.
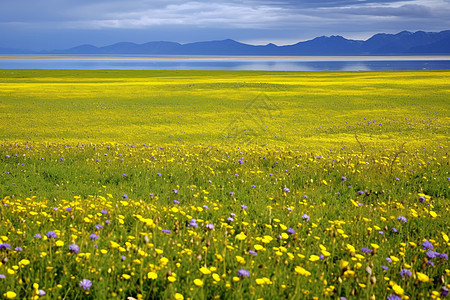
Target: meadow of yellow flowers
224,185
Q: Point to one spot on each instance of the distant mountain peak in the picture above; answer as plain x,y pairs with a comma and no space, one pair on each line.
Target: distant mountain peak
402,43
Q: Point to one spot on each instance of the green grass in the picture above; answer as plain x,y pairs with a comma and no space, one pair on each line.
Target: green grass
280,143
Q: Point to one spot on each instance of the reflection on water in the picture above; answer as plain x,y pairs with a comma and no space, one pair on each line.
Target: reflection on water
229,64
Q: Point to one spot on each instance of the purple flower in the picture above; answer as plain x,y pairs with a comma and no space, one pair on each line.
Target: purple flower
422,199
51,234
93,237
240,161
244,206
69,209
85,284
305,217
74,248
322,257
230,219
210,226
252,252
385,268
405,272
41,293
380,232
394,230
444,291
289,209
193,223
444,256
98,226
290,231
166,231
175,191
5,246
427,245
343,178
125,196
104,212
123,257
176,201
430,263
231,193
124,175
233,215
18,249
366,250
389,260
37,235
2,276
243,273
253,186
402,219
286,190
107,221
433,254
360,192
205,207
393,297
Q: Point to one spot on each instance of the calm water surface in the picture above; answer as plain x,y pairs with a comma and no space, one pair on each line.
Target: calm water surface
229,63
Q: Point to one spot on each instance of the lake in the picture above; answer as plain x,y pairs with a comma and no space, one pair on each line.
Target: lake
366,63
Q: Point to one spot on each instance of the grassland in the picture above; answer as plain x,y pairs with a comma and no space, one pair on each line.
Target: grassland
301,185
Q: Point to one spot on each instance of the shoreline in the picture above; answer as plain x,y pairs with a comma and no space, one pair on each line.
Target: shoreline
227,58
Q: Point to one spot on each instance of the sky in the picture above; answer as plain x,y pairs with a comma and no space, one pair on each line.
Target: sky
61,24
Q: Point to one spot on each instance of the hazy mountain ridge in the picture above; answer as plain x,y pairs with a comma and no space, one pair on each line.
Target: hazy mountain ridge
402,43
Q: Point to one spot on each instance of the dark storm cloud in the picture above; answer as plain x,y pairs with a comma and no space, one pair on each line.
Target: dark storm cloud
264,20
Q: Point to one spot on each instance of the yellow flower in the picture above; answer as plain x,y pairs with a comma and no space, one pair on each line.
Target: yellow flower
445,236
10,295
422,277
302,271
398,289
240,259
178,296
349,273
343,264
216,277
172,278
152,275
198,282
205,271
114,244
241,236
259,281
314,258
258,247
126,276
24,262
59,243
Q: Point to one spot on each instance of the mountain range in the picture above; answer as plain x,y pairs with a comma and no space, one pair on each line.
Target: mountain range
403,43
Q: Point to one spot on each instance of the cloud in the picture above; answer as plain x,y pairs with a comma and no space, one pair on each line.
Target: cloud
269,20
